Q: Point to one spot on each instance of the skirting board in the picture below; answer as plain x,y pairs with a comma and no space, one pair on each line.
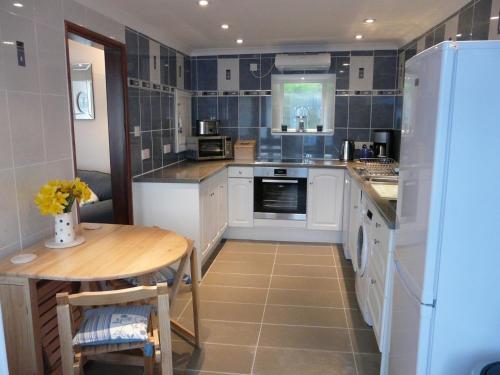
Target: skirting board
283,234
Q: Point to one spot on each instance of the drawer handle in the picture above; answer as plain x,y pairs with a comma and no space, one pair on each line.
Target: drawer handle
240,172
373,281
376,242
377,225
355,206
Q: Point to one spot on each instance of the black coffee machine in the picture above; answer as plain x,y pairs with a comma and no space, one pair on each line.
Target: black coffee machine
383,144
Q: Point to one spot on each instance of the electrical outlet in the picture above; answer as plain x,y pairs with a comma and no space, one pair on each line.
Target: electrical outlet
146,154
167,149
137,131
359,144
254,67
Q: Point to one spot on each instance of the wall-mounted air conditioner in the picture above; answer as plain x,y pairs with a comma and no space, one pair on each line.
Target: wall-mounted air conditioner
318,61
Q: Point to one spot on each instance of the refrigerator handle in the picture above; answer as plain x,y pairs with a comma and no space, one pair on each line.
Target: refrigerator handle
410,292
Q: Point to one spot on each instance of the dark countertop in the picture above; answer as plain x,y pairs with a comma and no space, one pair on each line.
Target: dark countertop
196,172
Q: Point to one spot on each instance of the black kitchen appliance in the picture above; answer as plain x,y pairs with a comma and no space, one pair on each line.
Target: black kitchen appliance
280,193
383,144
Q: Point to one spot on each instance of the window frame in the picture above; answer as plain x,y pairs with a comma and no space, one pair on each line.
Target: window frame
278,82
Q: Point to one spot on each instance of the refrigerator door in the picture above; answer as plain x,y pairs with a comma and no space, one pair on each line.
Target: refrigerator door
426,112
410,331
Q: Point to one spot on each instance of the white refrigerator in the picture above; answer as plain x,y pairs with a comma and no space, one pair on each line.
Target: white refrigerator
446,294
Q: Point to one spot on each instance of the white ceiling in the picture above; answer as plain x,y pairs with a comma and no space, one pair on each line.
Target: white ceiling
268,24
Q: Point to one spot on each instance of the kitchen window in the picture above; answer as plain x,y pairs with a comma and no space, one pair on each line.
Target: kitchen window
303,103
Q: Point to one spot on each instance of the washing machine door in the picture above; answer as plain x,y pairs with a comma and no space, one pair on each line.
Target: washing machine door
362,251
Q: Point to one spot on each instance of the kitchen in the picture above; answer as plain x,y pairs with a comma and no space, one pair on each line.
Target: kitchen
319,196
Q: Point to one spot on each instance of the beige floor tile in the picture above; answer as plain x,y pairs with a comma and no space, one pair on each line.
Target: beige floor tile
355,319
178,307
246,257
253,268
234,333
305,283
368,364
346,272
338,254
334,339
310,260
213,357
232,312
304,249
364,341
350,301
225,279
305,298
308,316
347,285
249,247
272,361
311,271
233,294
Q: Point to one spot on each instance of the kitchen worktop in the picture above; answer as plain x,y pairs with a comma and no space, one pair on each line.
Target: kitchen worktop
196,172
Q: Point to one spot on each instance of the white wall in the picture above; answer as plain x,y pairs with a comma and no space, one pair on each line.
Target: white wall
91,136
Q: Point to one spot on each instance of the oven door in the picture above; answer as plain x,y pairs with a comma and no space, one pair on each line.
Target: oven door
283,198
211,148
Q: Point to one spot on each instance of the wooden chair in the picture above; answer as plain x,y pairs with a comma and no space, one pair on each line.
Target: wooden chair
73,358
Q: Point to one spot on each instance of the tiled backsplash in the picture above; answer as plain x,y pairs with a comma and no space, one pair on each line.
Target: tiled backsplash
246,113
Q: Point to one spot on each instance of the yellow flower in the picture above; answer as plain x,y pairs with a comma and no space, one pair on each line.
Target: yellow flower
57,196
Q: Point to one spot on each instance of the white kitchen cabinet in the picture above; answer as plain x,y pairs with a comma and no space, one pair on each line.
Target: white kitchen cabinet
380,289
324,199
346,208
194,210
240,201
354,216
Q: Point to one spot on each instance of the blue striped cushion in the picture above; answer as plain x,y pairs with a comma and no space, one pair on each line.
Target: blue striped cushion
114,325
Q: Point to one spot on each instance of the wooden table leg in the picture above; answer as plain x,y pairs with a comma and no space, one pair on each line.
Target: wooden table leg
196,295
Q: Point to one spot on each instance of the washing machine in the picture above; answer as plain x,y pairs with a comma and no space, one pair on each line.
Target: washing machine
361,259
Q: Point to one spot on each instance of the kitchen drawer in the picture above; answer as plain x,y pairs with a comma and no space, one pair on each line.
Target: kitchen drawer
240,172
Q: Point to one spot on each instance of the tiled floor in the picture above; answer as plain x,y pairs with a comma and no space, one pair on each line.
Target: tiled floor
277,308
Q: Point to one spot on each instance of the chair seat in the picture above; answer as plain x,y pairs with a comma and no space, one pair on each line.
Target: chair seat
114,325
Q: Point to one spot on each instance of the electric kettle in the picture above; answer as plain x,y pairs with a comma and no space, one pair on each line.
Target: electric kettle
347,150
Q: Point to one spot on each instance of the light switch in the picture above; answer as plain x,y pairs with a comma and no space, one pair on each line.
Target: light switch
254,67
146,154
167,148
137,131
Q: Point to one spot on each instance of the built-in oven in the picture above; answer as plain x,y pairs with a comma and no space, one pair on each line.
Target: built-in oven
209,147
280,193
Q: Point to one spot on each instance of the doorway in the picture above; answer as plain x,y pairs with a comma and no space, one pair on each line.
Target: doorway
98,92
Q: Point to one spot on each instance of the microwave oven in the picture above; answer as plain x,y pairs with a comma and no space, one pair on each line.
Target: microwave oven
209,147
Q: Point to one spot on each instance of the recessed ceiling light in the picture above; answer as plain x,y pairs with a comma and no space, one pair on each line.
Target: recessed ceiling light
494,18
239,41
225,26
359,36
8,42
369,20
203,3
18,5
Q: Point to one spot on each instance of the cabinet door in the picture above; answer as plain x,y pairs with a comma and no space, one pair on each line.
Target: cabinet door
240,200
205,217
154,62
345,214
324,199
354,216
222,204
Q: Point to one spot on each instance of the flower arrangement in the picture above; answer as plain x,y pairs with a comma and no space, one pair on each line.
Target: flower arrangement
57,197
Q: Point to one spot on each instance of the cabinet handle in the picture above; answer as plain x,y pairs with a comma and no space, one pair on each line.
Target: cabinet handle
377,225
376,242
355,206
249,181
239,172
373,281
310,183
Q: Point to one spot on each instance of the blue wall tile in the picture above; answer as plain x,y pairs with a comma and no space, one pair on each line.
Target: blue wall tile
249,81
439,34
384,72
266,111
166,115
314,146
132,40
269,144
398,112
228,111
333,142
291,146
207,74
249,133
341,111
145,110
267,70
342,72
143,58
164,69
359,135
194,74
383,112
465,23
147,143
172,70
207,108
249,113
230,132
155,110
135,155
134,108
481,20
359,111
157,151
187,73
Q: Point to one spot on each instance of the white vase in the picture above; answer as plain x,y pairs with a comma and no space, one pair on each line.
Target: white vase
64,228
